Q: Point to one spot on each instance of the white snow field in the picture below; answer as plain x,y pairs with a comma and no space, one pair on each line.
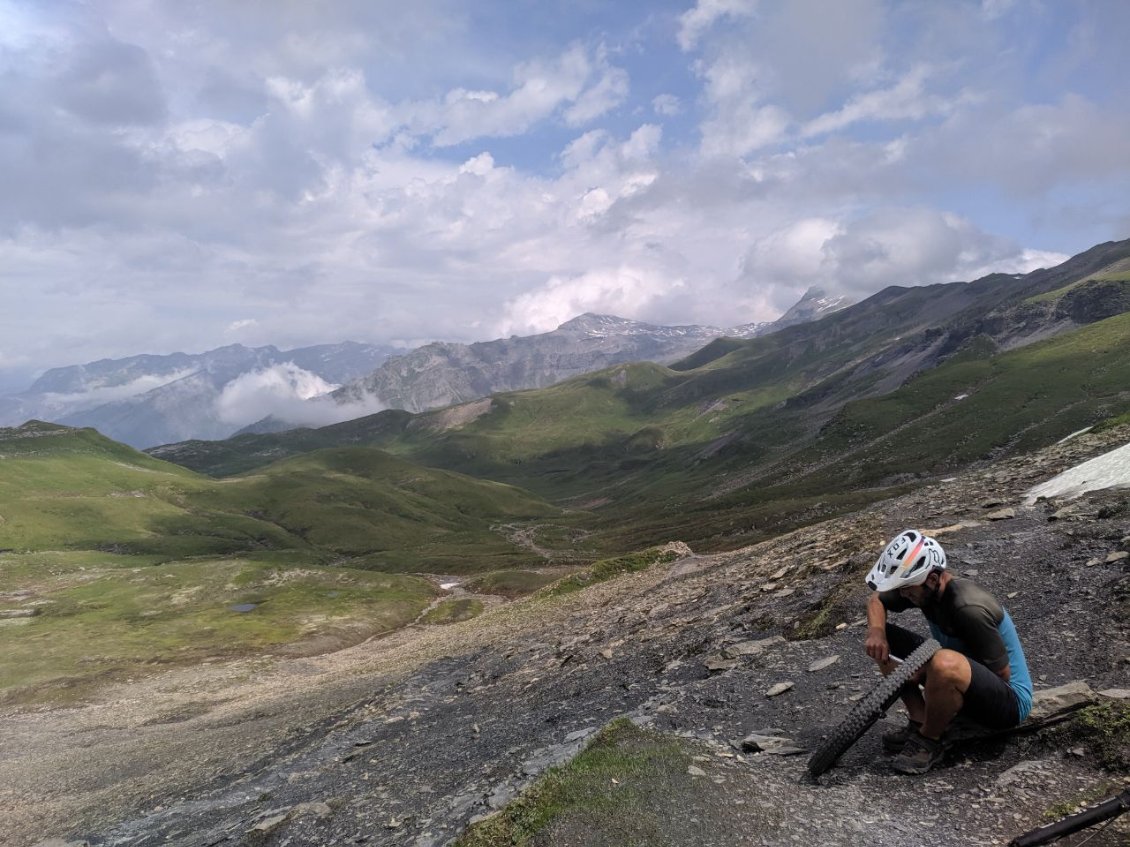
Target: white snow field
1110,470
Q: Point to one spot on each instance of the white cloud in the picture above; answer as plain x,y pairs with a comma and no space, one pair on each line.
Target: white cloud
891,246
581,83
1032,148
743,129
280,390
667,105
905,100
606,94
914,246
694,23
623,291
372,170
99,395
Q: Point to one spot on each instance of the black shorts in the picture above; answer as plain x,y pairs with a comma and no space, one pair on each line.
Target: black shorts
989,700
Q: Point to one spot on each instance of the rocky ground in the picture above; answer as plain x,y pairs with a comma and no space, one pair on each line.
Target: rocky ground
405,740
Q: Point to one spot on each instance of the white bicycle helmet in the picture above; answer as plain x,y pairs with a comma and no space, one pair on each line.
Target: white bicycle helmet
908,560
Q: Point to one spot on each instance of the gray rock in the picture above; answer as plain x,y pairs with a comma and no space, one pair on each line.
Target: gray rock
779,688
695,770
270,824
777,745
1116,693
1001,515
1117,557
753,648
821,664
1019,773
1051,700
717,664
320,810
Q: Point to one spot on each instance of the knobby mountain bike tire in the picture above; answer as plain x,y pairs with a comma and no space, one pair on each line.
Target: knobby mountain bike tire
870,708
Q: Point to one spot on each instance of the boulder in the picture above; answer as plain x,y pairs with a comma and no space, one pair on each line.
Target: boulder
1048,701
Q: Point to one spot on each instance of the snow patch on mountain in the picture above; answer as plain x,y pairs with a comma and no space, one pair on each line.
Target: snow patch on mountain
1110,470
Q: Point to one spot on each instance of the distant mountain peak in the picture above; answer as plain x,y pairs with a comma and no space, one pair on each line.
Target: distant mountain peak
813,305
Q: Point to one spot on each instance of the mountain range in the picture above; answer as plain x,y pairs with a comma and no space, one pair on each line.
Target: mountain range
442,374
149,400
743,438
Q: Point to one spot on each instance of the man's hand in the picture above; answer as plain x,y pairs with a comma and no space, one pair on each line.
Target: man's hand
876,645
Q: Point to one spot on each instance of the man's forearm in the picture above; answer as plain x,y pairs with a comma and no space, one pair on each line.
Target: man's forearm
876,613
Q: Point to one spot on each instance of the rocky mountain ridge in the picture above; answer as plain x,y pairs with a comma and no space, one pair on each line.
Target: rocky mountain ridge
146,400
410,738
443,374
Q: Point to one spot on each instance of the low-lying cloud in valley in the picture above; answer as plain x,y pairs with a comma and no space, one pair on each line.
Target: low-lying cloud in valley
287,393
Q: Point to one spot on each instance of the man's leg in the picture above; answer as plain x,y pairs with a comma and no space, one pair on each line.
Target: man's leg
911,694
948,675
902,643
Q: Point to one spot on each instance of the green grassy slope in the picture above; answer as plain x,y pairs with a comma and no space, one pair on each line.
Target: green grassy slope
729,453
981,405
103,617
384,512
62,488
748,438
113,563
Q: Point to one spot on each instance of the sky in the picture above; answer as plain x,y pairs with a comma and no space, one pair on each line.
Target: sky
181,176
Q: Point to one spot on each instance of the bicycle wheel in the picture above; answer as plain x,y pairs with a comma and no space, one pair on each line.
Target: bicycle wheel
870,708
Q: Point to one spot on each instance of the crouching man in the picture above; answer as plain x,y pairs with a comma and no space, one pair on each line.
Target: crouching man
980,673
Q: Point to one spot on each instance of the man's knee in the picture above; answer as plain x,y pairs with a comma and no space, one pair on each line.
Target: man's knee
950,666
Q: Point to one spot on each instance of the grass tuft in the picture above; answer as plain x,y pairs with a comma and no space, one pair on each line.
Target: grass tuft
607,787
607,569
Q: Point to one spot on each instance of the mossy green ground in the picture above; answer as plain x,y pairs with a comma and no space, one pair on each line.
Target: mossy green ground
103,617
613,790
513,583
454,610
1104,730
132,564
607,569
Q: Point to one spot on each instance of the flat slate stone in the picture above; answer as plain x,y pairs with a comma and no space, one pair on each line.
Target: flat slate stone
753,648
1001,515
1048,701
717,664
826,662
779,688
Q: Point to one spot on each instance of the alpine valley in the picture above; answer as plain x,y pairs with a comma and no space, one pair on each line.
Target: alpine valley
148,400
542,595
